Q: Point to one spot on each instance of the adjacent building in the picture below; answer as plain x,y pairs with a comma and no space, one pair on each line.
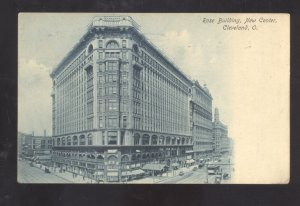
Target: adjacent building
34,147
120,105
201,120
220,135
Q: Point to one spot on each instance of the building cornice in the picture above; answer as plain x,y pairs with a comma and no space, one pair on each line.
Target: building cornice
116,23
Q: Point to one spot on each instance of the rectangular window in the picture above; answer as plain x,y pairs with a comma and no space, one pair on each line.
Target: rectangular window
124,121
100,122
100,43
100,106
90,123
124,106
100,55
112,66
90,108
124,55
112,138
112,105
124,91
90,94
114,78
114,90
112,122
123,43
124,78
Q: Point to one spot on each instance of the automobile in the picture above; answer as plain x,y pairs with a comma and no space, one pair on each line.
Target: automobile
47,170
195,168
181,173
226,176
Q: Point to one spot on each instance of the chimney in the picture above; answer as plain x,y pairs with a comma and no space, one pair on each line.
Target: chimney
44,133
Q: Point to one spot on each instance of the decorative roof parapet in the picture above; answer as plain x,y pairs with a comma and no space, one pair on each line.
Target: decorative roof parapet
113,21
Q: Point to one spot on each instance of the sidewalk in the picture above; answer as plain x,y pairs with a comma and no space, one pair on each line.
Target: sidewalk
67,175
147,180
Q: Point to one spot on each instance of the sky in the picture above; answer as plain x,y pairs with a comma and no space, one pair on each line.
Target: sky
246,71
44,39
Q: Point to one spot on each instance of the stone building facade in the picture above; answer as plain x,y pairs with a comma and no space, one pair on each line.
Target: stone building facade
220,135
119,103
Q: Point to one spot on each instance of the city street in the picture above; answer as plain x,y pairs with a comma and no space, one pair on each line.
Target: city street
27,174
191,177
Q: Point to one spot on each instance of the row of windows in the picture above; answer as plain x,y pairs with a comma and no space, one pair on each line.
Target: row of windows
111,78
112,105
123,67
74,140
112,122
69,101
147,59
112,66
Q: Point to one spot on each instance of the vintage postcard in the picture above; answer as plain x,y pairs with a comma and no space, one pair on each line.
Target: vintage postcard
129,98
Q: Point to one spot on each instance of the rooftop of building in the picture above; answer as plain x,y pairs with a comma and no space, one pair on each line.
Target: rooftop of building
121,21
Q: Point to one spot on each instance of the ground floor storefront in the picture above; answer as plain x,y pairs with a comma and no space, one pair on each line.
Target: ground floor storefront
120,163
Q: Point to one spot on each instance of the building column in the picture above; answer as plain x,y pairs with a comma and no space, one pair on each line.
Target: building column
118,137
105,137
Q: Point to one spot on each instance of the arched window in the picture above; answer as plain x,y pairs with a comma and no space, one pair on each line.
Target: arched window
135,48
161,140
75,140
91,156
112,45
112,159
133,157
183,140
100,157
63,141
154,140
125,158
178,140
90,139
90,49
136,139
58,141
145,139
82,140
168,140
173,140
68,140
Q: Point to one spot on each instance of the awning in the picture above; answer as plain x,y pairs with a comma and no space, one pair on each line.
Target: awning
133,172
98,173
190,161
155,167
44,157
189,151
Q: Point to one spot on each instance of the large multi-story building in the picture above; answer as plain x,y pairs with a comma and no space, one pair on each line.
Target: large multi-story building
201,120
220,135
120,105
